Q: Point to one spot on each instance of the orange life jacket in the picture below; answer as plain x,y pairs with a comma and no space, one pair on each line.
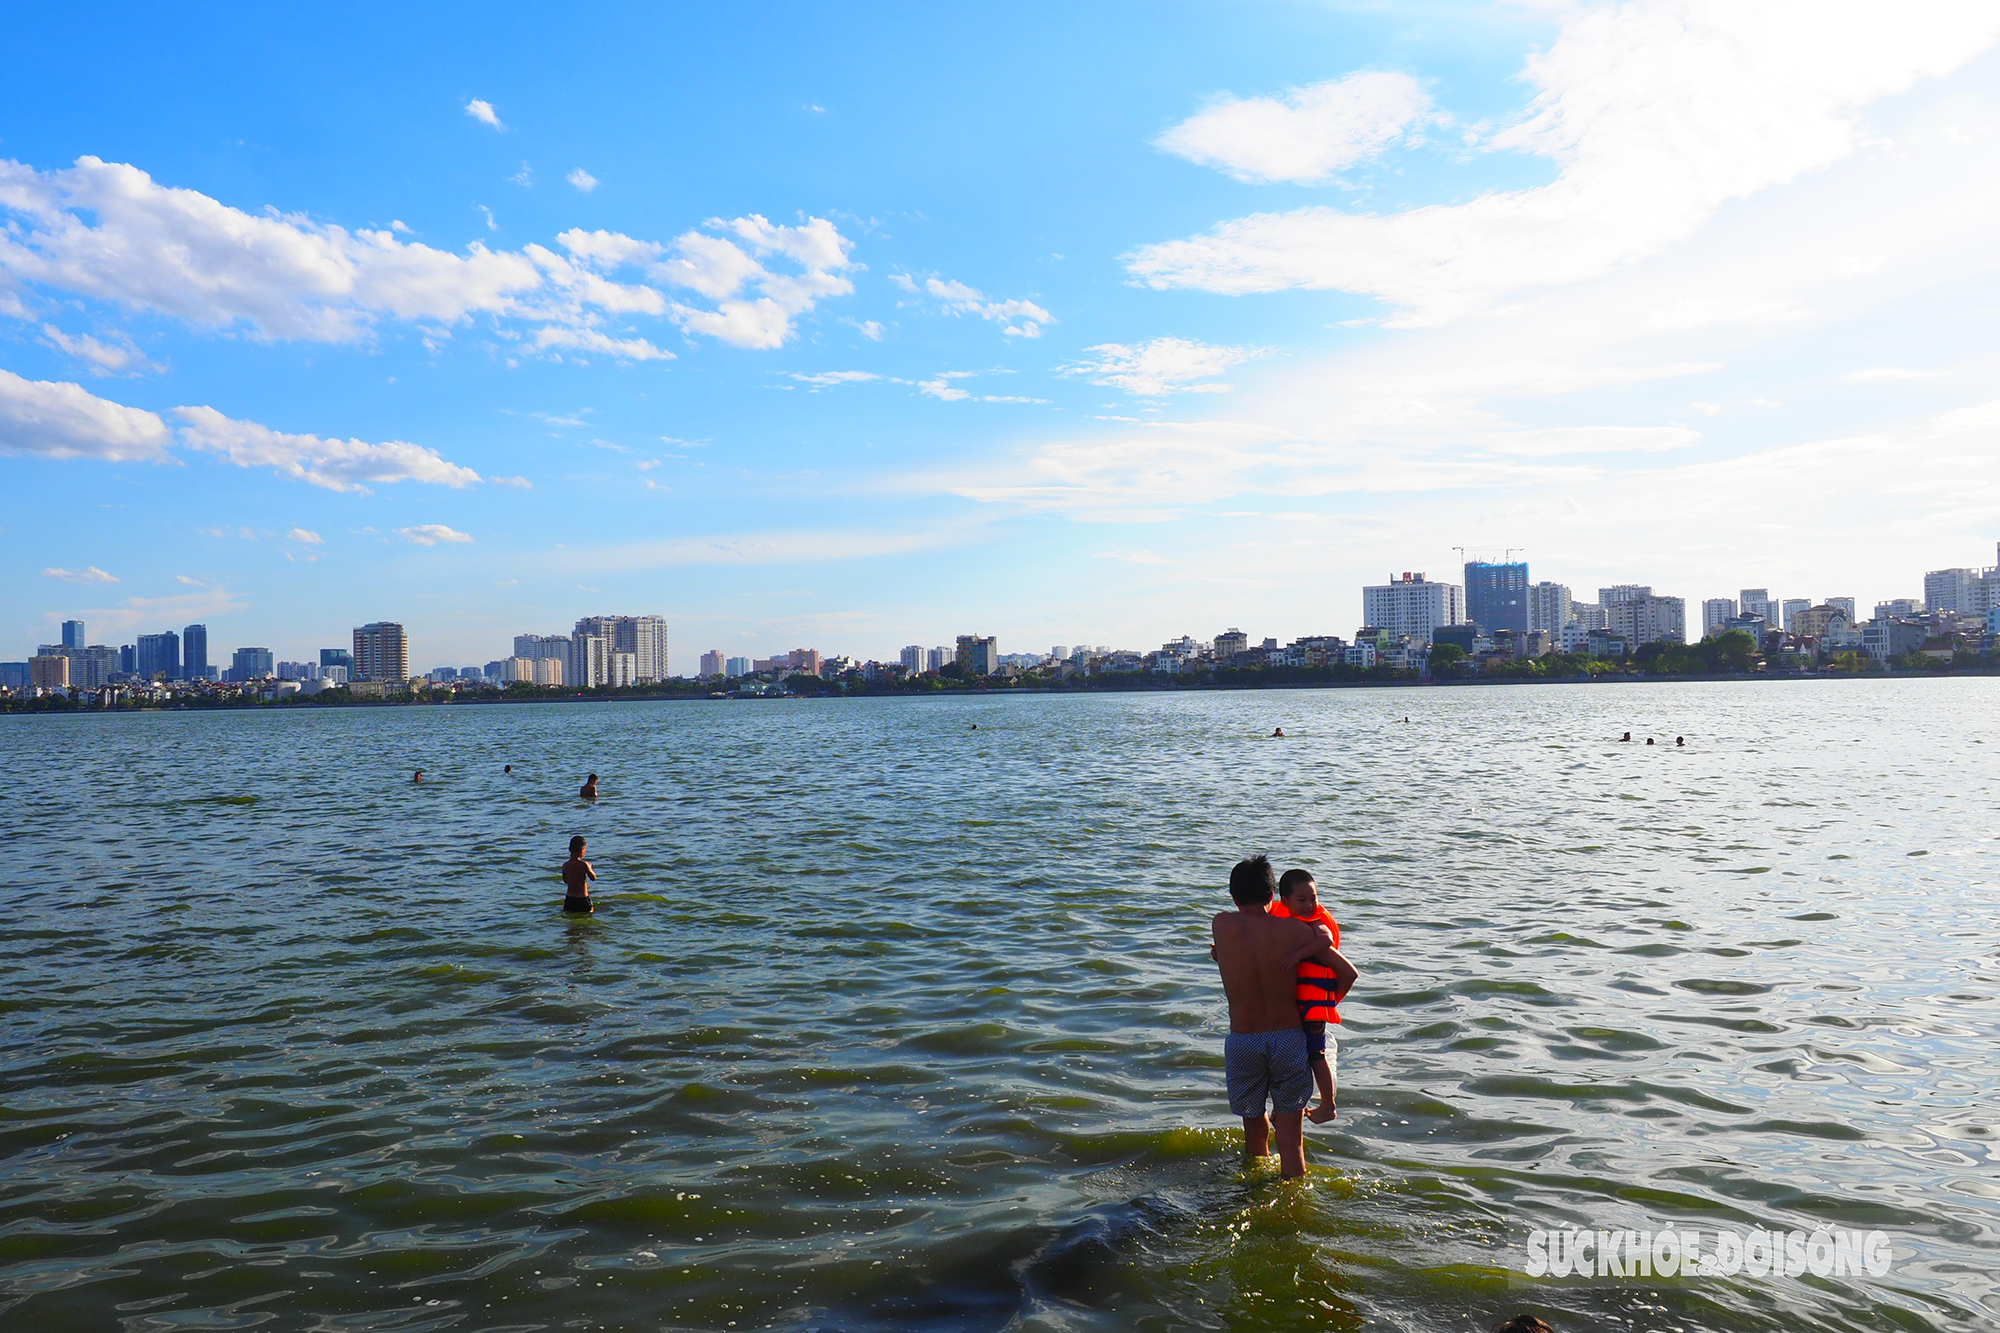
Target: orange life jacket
1316,980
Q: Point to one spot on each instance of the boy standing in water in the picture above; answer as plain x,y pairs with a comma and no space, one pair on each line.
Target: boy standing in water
1320,988
577,874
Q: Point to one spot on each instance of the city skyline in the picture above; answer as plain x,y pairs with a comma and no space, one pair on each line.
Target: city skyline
1242,311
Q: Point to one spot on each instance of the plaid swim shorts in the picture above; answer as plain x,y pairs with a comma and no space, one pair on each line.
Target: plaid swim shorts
1267,1065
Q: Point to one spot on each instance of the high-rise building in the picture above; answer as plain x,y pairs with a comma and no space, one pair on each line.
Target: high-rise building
1822,621
645,637
159,655
48,671
1229,643
1952,590
1898,608
72,634
381,653
336,657
1715,613
1758,602
128,659
589,662
1590,615
736,666
1411,605
1647,619
711,663
937,659
1623,592
1788,611
1549,606
913,659
1845,604
1496,595
979,655
194,652
548,670
92,667
247,664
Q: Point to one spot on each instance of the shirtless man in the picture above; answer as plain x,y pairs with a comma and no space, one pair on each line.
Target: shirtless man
1265,1053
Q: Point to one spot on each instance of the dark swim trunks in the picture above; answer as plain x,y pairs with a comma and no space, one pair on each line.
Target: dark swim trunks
577,905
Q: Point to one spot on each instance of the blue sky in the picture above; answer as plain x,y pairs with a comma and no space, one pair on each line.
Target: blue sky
1069,324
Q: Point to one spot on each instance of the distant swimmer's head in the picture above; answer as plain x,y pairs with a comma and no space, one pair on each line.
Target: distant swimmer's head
508,769
591,778
576,846
1523,1323
1300,892
1252,881
1626,737
419,777
1649,740
1680,740
1277,731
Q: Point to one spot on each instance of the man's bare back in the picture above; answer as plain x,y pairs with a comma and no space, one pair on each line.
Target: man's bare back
1259,956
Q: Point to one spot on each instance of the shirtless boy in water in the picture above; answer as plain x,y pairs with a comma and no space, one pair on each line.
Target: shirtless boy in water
577,874
1265,1052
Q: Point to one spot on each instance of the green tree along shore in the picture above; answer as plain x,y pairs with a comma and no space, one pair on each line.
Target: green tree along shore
1730,656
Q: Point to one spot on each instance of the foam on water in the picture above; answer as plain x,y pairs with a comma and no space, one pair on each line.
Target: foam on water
888,1023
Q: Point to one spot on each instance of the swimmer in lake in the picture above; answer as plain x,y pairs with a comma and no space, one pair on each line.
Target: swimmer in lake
508,769
589,792
1626,737
1649,740
419,777
1277,731
576,877
1680,742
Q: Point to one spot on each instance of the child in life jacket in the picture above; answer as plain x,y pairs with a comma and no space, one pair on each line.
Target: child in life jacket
1318,989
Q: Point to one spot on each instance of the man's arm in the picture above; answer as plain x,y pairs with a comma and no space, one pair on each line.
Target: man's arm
1318,948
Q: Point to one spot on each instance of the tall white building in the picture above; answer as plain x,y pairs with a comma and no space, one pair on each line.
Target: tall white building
736,666
1648,619
711,663
1845,604
1789,611
1716,612
1549,606
1623,592
913,659
1590,615
538,647
1759,602
645,637
937,659
1412,605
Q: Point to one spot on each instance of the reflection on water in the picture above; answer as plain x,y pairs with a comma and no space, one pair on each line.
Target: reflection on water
887,1023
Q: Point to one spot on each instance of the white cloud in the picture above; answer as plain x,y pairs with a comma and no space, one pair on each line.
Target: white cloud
831,377
516,483
961,299
582,180
57,420
1306,135
525,178
338,465
1891,375
109,232
943,389
484,113
1162,366
1561,440
305,536
150,613
88,574
1656,113
430,534
118,356
869,329
591,340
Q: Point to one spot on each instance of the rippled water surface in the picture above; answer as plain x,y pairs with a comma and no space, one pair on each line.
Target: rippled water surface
889,1022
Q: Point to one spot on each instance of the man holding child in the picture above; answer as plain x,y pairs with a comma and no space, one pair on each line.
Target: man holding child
1267,1056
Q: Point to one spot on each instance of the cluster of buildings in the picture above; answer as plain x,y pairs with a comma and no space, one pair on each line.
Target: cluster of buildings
1497,614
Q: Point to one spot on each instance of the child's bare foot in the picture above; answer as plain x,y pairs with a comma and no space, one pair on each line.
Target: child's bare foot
1322,1113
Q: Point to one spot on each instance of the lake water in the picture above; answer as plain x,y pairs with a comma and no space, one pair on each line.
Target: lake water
885,1022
